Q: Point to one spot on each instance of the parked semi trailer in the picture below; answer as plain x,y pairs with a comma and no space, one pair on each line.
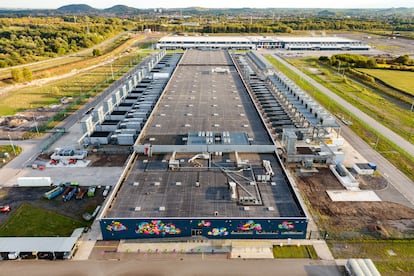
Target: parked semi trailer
54,192
69,193
81,193
34,181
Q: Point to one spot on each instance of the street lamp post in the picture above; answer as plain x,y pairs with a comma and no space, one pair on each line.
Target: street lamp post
11,143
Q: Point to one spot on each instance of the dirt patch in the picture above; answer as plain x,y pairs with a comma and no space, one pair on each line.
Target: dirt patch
378,218
17,125
107,160
97,159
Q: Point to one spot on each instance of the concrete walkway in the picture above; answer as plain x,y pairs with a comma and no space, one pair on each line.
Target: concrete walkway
245,249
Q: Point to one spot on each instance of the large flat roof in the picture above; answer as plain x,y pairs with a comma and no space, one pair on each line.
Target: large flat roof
205,38
198,99
205,94
255,39
152,191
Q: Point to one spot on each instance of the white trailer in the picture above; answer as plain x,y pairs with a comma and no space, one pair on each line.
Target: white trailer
34,181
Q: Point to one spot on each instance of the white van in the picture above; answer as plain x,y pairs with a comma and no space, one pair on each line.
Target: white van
13,255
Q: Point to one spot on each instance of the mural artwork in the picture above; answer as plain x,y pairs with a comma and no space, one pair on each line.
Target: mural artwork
157,227
286,225
204,223
249,226
218,232
116,226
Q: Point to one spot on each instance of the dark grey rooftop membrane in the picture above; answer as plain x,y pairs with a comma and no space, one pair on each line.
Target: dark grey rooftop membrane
201,97
150,186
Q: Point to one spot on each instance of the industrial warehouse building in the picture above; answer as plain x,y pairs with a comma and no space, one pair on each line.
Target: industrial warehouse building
203,127
260,42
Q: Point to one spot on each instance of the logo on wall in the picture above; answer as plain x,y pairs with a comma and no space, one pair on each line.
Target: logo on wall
218,232
157,227
286,225
249,225
204,223
116,226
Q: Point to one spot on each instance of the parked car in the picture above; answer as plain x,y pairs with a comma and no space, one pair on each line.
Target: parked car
91,191
106,191
5,209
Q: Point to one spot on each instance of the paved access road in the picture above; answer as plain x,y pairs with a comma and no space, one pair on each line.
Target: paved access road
402,183
177,265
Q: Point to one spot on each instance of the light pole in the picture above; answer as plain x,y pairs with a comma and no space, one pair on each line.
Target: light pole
11,143
34,119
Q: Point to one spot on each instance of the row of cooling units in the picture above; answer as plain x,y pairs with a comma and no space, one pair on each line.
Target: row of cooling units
123,125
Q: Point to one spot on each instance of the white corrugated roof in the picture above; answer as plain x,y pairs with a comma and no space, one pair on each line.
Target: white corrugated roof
251,39
325,39
39,244
205,39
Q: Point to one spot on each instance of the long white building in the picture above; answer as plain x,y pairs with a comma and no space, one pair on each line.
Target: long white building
258,42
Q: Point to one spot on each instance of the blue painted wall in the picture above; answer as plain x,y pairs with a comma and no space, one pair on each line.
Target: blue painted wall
116,229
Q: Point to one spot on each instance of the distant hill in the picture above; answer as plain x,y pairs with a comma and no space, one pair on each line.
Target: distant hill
122,10
77,9
125,11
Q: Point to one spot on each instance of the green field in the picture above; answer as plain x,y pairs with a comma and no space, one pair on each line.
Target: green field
7,153
402,80
30,221
294,252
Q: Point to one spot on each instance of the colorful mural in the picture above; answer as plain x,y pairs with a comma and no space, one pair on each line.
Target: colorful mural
204,223
218,232
156,227
286,225
116,226
249,225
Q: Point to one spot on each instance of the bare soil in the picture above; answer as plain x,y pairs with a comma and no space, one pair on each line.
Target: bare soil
97,159
107,160
381,219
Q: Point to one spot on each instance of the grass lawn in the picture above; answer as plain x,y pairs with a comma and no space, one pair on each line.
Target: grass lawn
402,80
30,221
294,252
7,153
390,257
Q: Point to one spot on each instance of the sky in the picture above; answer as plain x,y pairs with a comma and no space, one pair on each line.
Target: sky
101,4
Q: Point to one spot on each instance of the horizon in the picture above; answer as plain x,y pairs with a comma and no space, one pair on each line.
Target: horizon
212,4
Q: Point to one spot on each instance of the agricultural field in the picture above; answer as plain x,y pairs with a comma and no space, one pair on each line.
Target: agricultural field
402,80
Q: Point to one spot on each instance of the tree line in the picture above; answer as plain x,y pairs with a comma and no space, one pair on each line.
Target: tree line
357,61
245,24
24,40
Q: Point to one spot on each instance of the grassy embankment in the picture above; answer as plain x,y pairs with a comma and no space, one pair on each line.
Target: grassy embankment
402,80
30,221
374,105
8,153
